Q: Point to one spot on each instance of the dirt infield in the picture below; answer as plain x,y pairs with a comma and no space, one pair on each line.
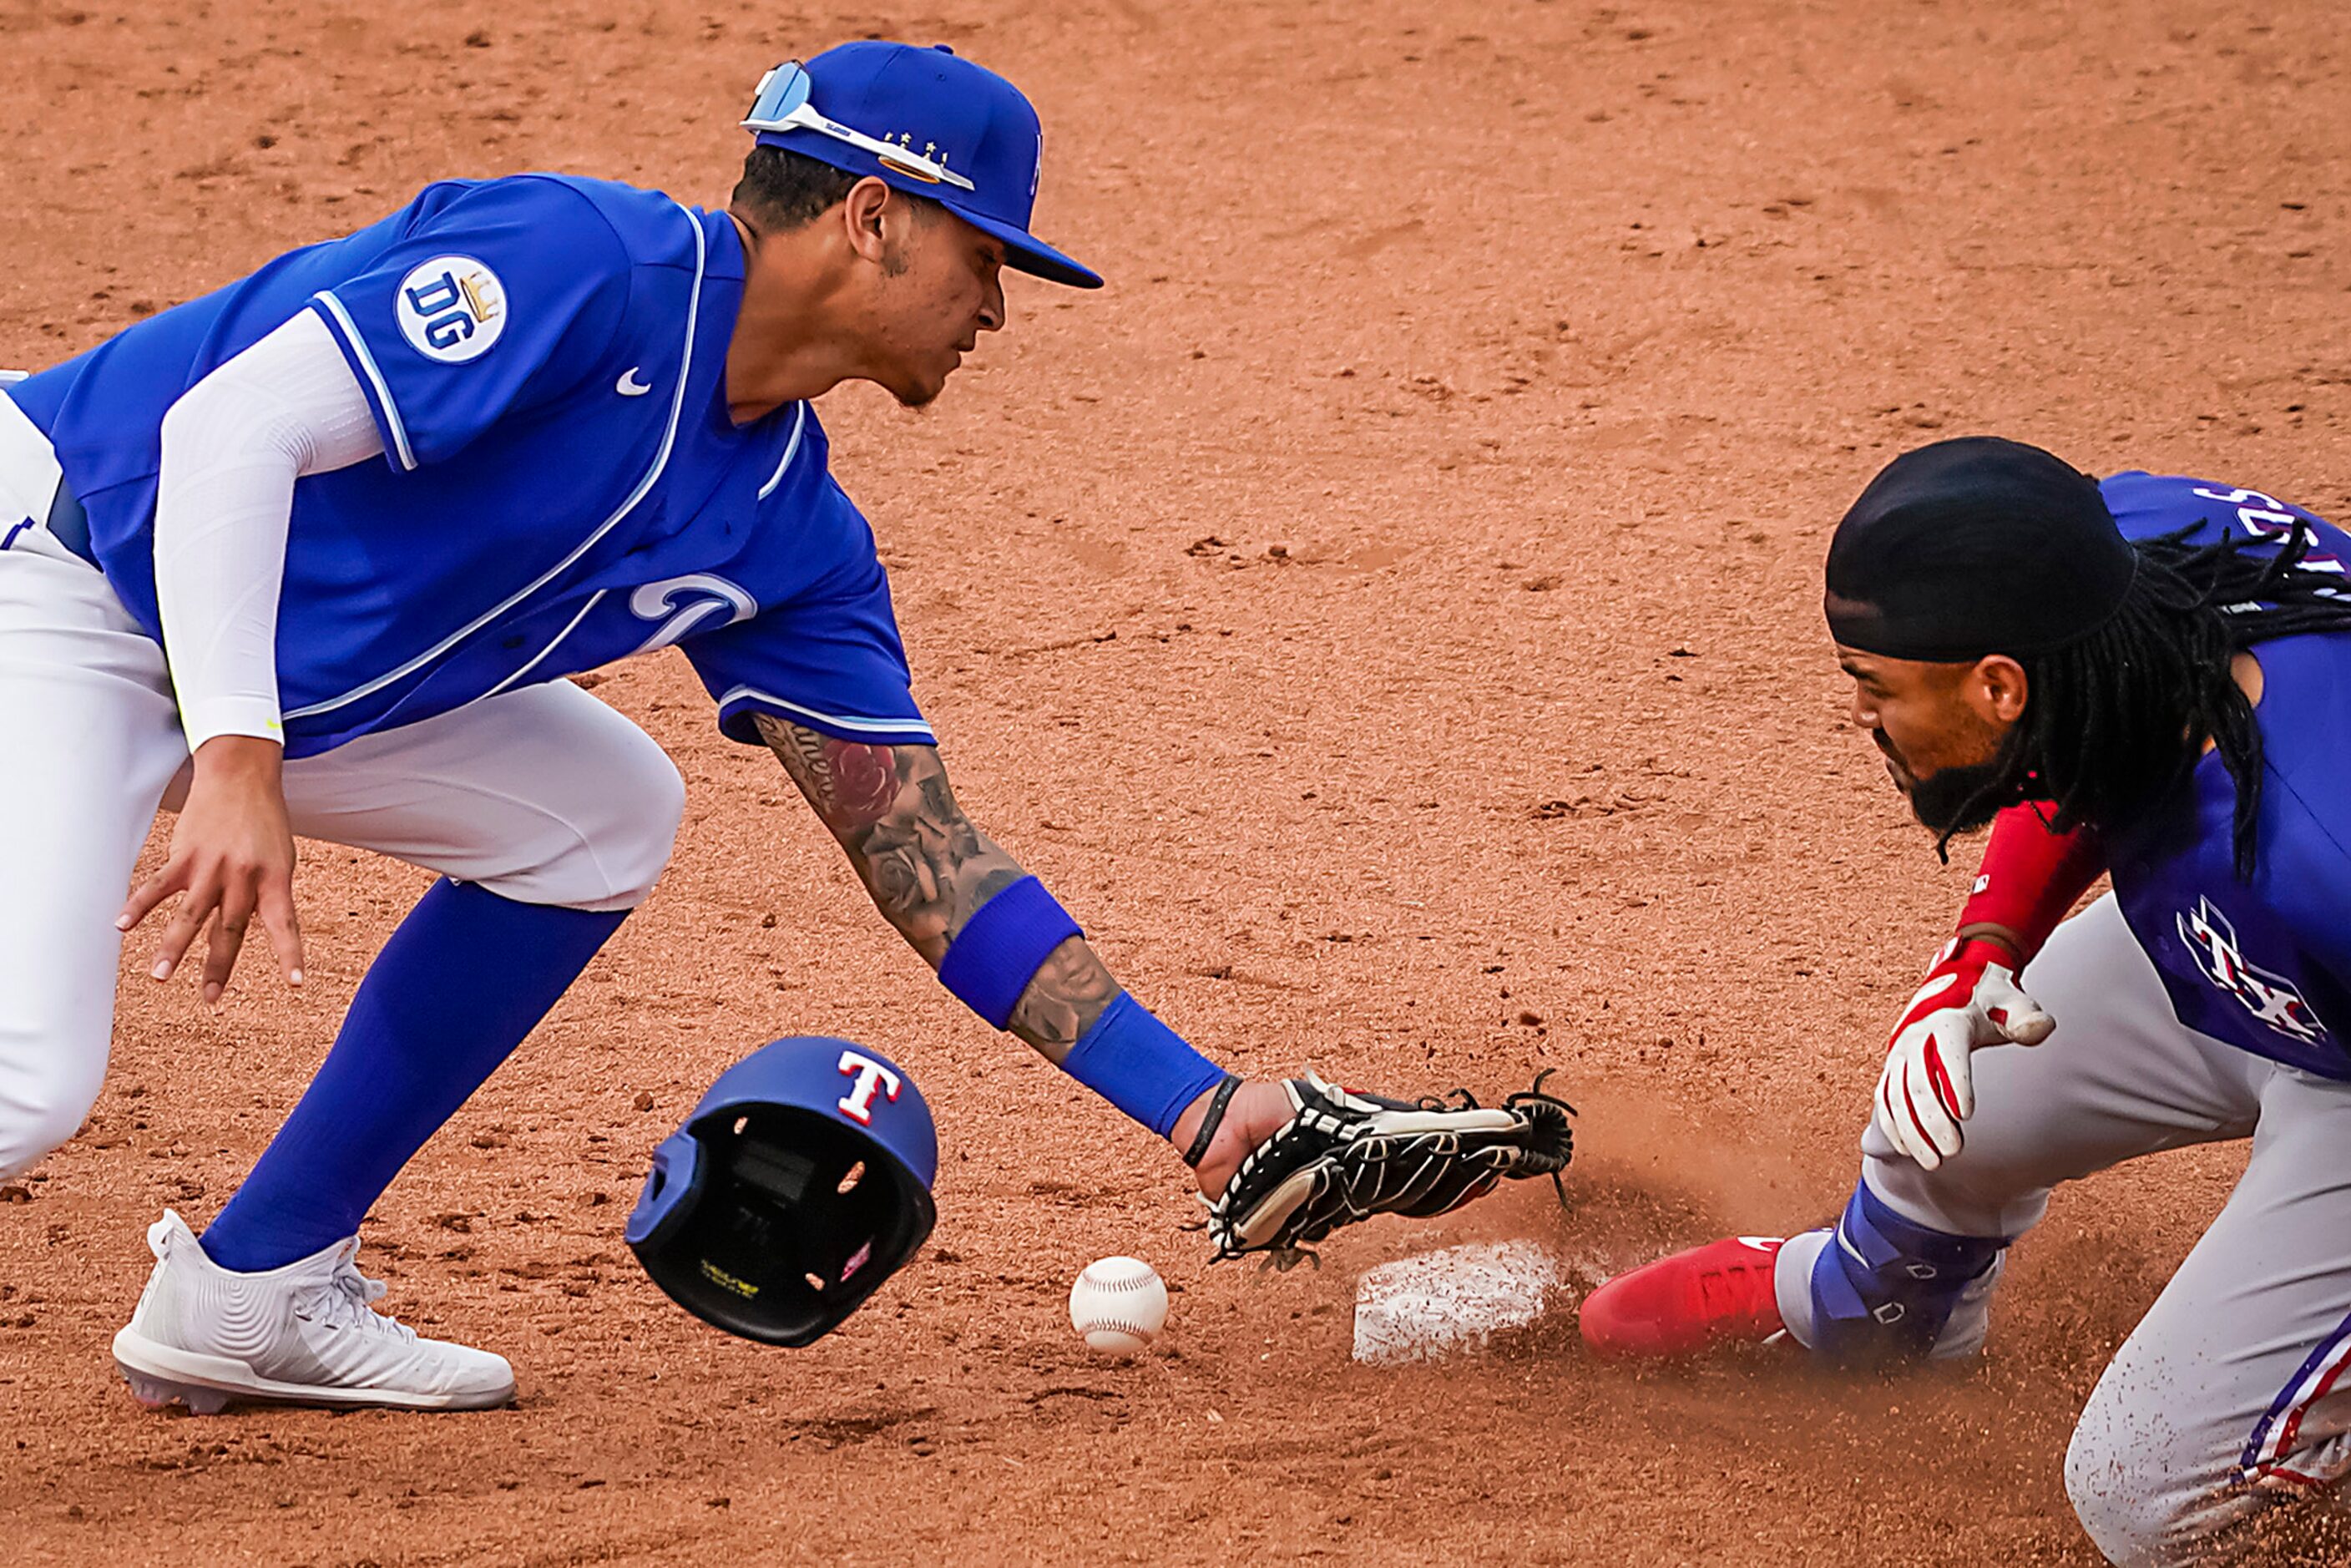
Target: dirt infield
1387,614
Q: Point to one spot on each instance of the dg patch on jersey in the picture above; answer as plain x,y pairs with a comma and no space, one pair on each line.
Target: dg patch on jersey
452,308
449,342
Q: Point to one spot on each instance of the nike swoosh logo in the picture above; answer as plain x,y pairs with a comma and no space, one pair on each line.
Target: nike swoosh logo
629,386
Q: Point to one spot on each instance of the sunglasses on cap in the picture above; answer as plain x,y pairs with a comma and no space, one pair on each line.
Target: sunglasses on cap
783,105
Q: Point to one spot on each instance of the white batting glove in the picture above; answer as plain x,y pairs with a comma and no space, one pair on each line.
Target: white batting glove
1971,1000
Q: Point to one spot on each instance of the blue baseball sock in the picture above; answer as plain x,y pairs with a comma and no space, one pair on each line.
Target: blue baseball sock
465,978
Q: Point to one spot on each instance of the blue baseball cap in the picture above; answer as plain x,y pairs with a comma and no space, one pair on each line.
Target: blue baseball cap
928,123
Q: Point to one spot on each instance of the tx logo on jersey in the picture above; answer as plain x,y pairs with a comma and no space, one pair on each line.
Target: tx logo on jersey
2271,998
452,308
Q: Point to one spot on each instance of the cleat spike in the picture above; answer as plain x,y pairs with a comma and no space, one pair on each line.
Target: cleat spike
160,1394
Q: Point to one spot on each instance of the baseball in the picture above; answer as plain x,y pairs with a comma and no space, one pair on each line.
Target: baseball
1118,1304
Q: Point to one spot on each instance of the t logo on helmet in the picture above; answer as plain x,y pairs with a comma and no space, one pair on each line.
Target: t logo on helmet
872,1077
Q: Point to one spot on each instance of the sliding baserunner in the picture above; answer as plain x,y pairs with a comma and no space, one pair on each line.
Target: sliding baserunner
2151,677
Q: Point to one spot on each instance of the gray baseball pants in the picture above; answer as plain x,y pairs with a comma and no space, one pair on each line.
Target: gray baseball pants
2231,1396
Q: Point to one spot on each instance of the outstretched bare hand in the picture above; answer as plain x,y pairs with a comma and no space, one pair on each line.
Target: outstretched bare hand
232,858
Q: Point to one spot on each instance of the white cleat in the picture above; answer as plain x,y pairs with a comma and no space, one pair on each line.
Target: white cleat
300,1334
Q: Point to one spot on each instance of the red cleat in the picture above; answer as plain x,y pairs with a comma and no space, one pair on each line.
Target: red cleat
1678,1306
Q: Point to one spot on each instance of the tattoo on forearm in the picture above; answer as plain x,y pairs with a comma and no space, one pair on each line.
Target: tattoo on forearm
1064,999
850,786
928,868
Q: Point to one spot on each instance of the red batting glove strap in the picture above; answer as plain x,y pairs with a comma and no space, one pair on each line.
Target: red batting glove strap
2031,878
1952,982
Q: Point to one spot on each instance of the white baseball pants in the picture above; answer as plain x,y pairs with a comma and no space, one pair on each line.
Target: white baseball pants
543,794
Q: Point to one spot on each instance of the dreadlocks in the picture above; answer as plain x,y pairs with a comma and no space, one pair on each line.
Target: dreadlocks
2114,721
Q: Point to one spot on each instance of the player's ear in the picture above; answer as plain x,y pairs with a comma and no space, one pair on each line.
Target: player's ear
861,213
1997,688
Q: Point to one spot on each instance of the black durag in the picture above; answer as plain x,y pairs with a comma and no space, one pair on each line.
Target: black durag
1974,546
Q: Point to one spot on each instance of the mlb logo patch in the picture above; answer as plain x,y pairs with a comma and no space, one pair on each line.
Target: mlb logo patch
452,308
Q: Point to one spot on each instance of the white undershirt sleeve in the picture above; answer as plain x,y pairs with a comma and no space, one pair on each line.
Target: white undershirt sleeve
232,446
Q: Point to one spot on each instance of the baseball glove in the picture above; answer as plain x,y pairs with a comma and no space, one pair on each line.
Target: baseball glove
1343,1157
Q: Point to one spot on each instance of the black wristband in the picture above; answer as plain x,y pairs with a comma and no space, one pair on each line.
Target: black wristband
1209,1122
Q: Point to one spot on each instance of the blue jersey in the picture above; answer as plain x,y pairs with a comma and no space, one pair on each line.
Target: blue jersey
2264,965
561,484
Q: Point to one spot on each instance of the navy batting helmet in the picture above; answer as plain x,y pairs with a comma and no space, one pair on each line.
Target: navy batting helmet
802,1181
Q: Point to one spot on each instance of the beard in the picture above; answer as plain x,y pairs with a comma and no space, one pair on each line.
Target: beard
1960,800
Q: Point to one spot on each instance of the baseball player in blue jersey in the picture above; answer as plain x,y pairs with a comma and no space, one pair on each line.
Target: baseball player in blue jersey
2149,677
309,555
